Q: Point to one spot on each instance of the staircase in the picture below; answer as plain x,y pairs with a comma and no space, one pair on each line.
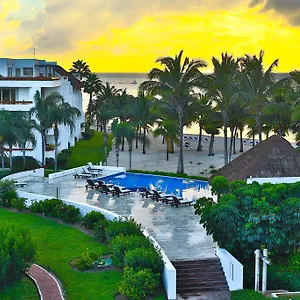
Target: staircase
201,277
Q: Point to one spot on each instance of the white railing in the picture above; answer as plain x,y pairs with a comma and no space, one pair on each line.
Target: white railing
274,180
232,268
22,175
169,273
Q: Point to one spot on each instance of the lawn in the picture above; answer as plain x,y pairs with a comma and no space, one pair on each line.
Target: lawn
56,246
89,150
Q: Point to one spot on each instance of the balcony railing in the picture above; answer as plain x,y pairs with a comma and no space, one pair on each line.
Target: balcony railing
31,78
16,102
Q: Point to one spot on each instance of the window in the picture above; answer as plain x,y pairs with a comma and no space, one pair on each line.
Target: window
9,71
18,72
7,95
28,71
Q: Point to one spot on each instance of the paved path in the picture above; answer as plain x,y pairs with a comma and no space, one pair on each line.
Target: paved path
47,285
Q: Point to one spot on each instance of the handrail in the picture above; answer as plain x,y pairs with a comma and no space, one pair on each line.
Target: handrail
16,102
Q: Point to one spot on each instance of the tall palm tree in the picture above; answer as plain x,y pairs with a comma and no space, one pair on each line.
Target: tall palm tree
80,67
42,110
222,88
177,79
258,85
117,133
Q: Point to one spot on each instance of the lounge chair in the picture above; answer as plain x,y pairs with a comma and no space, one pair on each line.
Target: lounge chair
91,184
81,175
147,193
121,191
93,168
179,201
108,189
92,173
160,196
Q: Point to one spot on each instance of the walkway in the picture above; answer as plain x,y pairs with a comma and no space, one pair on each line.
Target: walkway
47,285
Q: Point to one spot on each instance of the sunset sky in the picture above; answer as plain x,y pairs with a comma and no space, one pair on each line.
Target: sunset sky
127,35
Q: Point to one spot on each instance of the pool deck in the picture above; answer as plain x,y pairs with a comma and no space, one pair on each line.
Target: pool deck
177,230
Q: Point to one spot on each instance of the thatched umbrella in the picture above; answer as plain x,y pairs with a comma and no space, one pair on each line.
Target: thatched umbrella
274,157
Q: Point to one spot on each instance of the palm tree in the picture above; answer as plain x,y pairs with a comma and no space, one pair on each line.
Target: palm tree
258,85
42,110
117,133
175,82
80,67
222,88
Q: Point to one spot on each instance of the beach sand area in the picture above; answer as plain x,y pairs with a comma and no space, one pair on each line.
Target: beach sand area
195,162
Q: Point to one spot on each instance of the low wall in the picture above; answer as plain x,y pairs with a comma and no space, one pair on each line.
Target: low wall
232,268
169,273
22,175
274,180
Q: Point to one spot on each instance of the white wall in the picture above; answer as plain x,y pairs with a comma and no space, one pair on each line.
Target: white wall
22,175
274,180
232,268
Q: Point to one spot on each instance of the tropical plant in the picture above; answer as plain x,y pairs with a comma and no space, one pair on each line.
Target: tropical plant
80,67
117,133
175,82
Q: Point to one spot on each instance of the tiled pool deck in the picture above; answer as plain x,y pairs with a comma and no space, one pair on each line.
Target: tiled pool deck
177,230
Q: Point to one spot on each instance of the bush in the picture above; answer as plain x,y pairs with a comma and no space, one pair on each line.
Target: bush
91,218
247,294
19,203
36,207
50,163
120,245
67,151
16,253
138,285
144,258
87,260
51,207
87,134
62,160
7,192
18,163
69,213
99,230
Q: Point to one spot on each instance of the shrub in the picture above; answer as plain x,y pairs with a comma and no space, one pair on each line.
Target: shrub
138,285
7,192
125,226
51,207
91,218
87,134
87,260
69,213
62,160
19,203
144,258
16,253
67,151
36,207
99,230
30,163
247,294
50,162
120,245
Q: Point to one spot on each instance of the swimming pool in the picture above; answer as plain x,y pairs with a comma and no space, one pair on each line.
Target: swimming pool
183,187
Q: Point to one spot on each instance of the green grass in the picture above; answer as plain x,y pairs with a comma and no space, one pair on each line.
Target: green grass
56,246
22,290
91,150
5,173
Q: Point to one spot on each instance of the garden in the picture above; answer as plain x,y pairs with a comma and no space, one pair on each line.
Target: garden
93,258
253,216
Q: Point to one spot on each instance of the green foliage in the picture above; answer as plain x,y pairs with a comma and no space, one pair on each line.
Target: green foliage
120,245
87,260
249,217
170,174
144,258
247,295
50,162
18,163
88,134
219,185
69,213
138,285
99,230
19,203
62,159
7,192
122,227
91,218
16,253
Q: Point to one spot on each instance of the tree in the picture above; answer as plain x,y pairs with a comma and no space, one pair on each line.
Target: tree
117,132
177,79
80,67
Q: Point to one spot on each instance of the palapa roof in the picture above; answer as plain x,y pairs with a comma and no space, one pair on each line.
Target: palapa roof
274,157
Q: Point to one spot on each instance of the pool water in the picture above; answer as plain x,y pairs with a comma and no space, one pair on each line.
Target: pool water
183,187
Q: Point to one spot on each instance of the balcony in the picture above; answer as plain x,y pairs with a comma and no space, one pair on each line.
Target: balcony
30,78
16,102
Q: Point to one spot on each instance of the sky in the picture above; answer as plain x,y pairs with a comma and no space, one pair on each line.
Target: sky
129,35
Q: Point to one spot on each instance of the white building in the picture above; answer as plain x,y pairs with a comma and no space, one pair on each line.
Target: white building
20,80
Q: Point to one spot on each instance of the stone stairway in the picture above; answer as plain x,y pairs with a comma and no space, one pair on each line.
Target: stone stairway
201,277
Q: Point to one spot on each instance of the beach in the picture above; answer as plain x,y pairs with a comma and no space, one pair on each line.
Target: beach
195,162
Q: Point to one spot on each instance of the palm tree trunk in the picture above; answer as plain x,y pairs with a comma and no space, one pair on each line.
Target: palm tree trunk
123,142
180,167
241,141
259,127
10,157
105,142
253,140
144,140
24,153
2,162
234,141
225,121
231,143
163,141
211,145
56,136
43,134
199,147
130,155
167,149
136,138
117,149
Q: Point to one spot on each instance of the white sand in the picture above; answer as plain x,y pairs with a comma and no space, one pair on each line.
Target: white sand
195,162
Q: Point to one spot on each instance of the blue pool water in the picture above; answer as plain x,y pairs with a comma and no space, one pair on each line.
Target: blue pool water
183,187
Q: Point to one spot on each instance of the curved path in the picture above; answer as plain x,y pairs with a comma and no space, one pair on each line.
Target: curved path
47,285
